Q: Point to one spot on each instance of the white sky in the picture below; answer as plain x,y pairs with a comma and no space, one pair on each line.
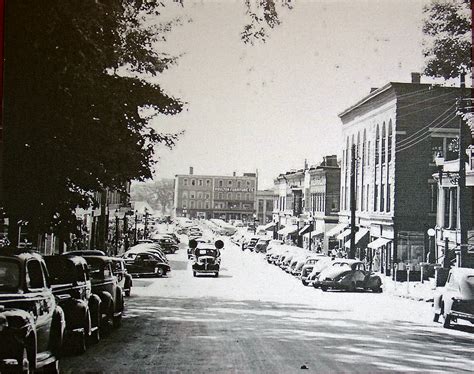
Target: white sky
270,106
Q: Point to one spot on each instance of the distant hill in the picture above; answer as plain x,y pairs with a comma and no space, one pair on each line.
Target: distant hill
158,193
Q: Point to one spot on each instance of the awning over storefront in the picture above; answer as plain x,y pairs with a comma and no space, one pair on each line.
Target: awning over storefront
336,229
269,225
358,236
343,234
288,230
377,243
304,230
313,233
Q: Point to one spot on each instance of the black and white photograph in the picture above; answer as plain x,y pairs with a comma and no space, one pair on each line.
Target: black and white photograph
236,186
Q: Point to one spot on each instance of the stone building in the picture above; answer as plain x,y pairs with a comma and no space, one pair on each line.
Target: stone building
264,206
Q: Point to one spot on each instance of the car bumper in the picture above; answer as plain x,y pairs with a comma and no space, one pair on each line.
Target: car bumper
331,284
206,268
462,315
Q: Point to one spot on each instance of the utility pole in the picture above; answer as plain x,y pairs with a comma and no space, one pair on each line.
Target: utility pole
103,221
462,201
353,202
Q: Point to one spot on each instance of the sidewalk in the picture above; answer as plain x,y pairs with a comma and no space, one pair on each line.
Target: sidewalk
412,290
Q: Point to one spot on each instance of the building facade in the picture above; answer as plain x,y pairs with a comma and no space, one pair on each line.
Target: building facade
264,206
393,135
210,196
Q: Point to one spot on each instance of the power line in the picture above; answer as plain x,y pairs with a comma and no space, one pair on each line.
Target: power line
427,126
428,99
426,136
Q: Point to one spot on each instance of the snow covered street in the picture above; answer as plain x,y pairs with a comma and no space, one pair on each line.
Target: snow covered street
256,318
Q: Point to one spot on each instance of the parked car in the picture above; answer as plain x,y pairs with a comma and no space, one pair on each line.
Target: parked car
262,244
147,263
456,301
70,283
166,243
105,285
252,242
206,258
31,323
123,277
349,275
309,265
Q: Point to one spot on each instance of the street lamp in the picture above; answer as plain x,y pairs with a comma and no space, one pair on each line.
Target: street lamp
145,232
116,232
136,223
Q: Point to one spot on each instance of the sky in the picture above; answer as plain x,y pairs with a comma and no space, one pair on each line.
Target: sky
268,107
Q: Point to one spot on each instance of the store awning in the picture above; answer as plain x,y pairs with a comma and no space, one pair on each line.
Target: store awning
336,229
314,233
377,243
343,234
269,225
304,230
288,230
358,236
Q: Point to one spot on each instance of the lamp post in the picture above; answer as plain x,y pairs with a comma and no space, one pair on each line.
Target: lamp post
116,233
145,230
135,230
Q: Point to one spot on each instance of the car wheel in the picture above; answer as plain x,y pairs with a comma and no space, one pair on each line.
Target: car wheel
447,321
96,324
305,283
194,273
216,275
324,288
351,287
159,272
436,317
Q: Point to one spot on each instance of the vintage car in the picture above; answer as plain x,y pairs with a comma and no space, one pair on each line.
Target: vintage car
309,265
31,323
105,285
206,258
349,275
166,243
147,263
456,301
70,282
262,244
123,277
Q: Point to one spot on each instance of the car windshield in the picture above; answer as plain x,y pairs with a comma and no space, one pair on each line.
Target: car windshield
206,252
60,272
9,276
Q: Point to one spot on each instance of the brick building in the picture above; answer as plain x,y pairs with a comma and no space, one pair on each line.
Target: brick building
211,196
396,129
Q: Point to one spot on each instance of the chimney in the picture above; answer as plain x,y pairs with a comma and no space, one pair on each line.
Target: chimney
191,170
233,174
372,89
415,78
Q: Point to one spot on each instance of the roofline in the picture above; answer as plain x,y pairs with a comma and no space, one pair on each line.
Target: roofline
214,176
371,95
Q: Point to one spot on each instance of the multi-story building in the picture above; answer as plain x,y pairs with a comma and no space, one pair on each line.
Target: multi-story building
264,206
211,196
395,131
306,203
322,202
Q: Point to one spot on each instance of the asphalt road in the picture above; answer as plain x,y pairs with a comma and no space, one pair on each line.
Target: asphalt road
255,318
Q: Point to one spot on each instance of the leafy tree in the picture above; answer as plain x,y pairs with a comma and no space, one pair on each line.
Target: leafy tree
263,16
76,95
448,44
158,193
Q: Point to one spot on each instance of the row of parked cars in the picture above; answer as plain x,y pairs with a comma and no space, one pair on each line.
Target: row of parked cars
53,302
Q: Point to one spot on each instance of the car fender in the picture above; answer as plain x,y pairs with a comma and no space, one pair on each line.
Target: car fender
106,301
58,326
75,314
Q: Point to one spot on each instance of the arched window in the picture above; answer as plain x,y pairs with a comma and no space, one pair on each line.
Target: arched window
247,196
185,181
193,182
377,145
229,182
221,195
206,204
384,138
221,183
389,141
191,204
199,204
239,184
364,148
185,204
208,182
185,195
238,196
229,196
199,195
